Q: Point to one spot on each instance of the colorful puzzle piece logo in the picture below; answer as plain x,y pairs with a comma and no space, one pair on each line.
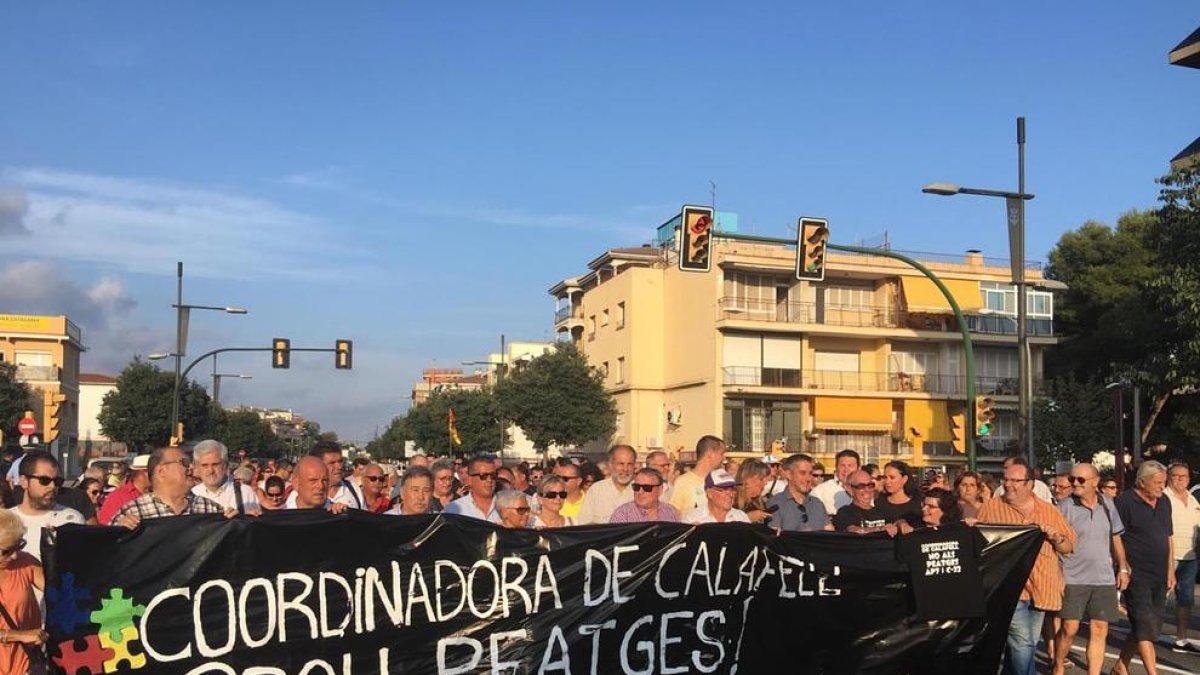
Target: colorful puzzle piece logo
91,659
64,603
116,613
122,650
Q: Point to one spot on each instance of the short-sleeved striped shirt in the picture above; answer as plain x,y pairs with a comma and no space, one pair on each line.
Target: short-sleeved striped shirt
150,506
1046,584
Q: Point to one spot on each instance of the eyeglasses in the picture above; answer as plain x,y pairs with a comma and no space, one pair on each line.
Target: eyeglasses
445,478
46,480
187,463
12,550
93,492
639,487
1109,486
520,509
569,477
374,479
274,495
862,486
926,505
818,475
1077,480
483,476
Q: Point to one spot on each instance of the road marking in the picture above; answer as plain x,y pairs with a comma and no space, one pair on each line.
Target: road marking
1111,655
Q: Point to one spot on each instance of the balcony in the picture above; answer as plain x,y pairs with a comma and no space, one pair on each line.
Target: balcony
567,317
38,373
837,380
811,312
1001,324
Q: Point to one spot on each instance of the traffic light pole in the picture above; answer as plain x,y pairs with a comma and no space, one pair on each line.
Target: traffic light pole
968,346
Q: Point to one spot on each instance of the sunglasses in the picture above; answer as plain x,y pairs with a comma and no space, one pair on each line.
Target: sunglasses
1109,486
93,492
521,509
373,479
1077,480
803,513
483,476
12,550
637,487
275,495
555,495
862,486
46,480
569,477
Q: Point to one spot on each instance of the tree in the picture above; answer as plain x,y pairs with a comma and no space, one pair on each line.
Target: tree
243,429
390,445
14,399
1073,419
138,411
558,399
475,418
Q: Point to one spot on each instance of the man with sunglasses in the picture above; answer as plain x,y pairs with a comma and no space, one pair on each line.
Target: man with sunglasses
647,505
861,516
373,483
480,500
1092,587
38,509
170,492
720,488
796,509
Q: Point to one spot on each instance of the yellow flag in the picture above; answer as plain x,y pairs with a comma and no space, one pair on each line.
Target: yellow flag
454,439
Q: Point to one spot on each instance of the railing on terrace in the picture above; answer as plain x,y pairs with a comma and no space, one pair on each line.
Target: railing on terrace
870,316
753,376
563,313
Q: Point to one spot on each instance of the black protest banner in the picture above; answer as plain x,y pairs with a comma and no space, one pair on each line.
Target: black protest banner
307,593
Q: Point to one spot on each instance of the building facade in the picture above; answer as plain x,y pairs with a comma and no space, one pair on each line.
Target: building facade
92,441
46,351
871,358
1187,55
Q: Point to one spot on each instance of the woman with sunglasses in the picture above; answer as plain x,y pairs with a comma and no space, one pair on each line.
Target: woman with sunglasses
752,478
93,491
550,495
274,494
20,617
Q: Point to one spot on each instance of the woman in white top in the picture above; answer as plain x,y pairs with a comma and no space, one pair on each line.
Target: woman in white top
550,494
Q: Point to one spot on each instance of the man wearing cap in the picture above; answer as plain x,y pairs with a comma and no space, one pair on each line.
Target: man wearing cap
137,484
720,488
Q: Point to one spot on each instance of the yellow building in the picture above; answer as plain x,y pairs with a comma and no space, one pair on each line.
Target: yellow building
870,359
46,351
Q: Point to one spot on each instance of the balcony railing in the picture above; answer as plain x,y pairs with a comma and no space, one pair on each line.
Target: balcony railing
38,373
811,312
753,376
872,316
563,313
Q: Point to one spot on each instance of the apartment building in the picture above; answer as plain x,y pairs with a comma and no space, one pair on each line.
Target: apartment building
46,351
870,359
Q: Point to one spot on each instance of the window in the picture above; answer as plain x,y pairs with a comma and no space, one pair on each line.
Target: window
591,326
620,315
34,359
849,296
604,369
1001,298
604,318
620,370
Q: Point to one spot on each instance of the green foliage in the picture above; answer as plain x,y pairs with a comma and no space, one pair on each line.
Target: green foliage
558,399
390,445
1074,420
138,411
243,429
475,416
14,400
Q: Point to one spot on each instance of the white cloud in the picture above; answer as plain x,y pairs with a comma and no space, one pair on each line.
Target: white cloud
14,207
136,225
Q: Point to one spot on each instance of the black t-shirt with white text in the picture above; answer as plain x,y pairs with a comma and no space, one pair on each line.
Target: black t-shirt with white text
943,564
851,514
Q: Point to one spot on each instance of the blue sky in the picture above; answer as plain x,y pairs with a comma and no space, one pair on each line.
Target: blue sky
414,176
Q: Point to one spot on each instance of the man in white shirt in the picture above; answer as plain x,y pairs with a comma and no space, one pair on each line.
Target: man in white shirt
480,502
834,493
720,488
1185,534
605,496
210,463
38,510
341,490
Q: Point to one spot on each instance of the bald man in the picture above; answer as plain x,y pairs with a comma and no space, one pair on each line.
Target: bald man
310,484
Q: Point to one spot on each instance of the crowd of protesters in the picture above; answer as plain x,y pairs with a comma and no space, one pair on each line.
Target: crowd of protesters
1105,556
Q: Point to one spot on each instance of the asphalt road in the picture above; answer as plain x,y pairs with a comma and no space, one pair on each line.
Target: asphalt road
1169,662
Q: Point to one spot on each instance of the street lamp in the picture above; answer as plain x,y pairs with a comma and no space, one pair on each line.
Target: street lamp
182,316
1015,207
217,383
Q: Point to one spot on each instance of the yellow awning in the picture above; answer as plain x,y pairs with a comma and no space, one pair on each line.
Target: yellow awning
928,418
922,295
853,414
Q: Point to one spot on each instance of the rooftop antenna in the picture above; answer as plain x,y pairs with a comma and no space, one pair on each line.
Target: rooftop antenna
713,194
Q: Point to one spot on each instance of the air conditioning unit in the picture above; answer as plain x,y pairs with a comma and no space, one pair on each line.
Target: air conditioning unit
675,417
653,442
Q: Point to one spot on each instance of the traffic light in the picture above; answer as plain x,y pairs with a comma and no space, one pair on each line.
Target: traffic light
177,435
985,415
51,415
958,431
281,353
343,359
695,242
812,234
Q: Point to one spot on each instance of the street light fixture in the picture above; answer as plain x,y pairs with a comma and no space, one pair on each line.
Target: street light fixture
182,315
1015,209
217,383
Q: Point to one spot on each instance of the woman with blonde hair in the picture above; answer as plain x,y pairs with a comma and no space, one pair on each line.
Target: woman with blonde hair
551,494
21,631
752,478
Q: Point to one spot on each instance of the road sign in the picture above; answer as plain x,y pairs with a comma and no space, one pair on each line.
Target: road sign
27,426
